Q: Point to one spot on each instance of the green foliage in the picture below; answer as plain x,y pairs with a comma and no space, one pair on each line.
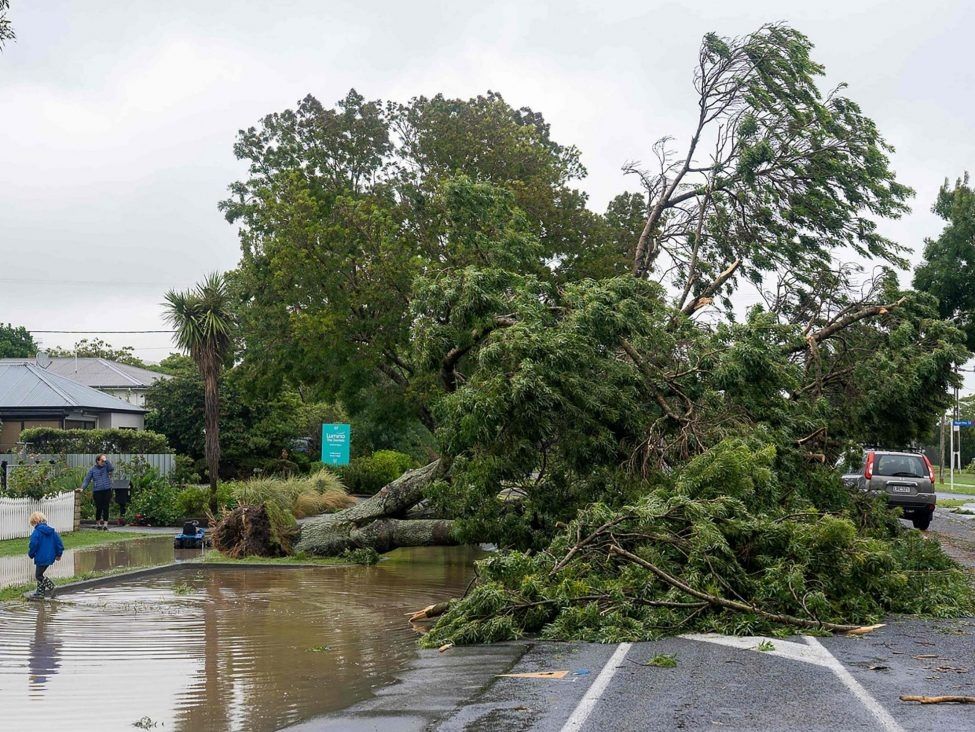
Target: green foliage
787,558
948,269
183,472
366,556
298,496
158,502
253,430
42,479
15,342
366,475
663,660
50,440
192,501
97,348
154,497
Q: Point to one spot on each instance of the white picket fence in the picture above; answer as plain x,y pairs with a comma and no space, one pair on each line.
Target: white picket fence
15,513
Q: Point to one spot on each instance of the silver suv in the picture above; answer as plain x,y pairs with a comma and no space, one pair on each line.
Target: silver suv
907,478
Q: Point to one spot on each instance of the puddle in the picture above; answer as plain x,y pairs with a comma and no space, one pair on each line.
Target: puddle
219,648
151,551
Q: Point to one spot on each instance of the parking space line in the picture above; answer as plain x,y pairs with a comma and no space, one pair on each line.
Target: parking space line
588,702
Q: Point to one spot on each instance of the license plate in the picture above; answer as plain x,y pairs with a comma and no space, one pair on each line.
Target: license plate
901,489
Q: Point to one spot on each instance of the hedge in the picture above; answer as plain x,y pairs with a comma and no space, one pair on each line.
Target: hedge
52,441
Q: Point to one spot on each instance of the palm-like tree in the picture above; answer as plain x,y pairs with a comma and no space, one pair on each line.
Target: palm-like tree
203,321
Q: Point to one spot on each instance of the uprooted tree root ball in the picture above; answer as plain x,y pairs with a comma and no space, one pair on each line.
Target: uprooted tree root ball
247,531
680,561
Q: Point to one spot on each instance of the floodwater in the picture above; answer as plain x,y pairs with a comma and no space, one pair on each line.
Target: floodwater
218,648
148,552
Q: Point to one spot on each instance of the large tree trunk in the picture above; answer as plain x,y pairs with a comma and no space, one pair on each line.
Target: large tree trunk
211,411
378,522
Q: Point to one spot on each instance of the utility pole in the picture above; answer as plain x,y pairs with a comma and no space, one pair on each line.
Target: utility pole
955,447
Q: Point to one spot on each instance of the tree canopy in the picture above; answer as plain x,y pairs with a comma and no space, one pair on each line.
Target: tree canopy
16,342
97,348
948,269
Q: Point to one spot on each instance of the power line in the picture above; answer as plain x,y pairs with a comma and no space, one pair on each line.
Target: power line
100,332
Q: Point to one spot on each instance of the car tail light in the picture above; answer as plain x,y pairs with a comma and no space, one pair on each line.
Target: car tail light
930,468
868,471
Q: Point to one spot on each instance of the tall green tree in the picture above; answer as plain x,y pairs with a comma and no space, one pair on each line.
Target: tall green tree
948,269
203,320
16,342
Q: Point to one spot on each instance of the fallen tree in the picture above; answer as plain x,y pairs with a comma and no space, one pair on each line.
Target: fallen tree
380,522
715,551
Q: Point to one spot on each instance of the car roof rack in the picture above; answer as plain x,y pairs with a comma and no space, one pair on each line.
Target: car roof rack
879,448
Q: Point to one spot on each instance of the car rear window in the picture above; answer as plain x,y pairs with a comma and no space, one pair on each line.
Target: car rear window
905,466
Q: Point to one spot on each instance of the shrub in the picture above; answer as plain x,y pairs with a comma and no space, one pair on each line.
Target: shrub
309,504
152,495
366,475
323,481
38,480
49,440
184,471
194,501
299,496
157,502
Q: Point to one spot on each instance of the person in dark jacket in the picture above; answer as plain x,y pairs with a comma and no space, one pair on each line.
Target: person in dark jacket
100,477
45,548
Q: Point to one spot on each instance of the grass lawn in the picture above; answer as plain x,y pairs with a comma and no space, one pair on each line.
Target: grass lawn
964,483
72,540
952,502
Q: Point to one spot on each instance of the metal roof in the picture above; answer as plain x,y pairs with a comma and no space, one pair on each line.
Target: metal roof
97,372
27,386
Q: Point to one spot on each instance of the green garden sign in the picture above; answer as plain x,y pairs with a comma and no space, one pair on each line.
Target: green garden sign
335,443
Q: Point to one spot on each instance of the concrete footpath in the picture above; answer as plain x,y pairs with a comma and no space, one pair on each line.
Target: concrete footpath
719,682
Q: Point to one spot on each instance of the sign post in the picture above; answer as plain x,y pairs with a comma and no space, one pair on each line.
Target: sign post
336,439
956,425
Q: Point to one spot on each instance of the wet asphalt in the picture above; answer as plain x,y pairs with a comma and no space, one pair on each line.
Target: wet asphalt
835,683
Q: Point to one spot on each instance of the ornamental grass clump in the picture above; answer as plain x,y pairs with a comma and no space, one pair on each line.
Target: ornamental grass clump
689,558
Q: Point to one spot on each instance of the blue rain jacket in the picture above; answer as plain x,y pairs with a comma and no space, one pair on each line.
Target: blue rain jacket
45,545
100,477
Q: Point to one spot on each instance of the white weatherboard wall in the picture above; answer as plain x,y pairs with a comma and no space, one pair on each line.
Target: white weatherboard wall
15,514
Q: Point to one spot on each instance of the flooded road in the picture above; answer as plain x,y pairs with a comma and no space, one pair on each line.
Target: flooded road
148,552
219,648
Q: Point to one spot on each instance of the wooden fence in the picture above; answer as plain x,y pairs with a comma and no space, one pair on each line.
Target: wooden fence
15,513
162,462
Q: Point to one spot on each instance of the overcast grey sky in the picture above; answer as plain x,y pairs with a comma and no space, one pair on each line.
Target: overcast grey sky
117,118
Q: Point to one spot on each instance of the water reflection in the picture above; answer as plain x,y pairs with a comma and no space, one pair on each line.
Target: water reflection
223,648
45,651
151,551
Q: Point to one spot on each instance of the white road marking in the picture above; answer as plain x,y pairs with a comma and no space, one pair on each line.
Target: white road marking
588,702
872,705
811,652
783,649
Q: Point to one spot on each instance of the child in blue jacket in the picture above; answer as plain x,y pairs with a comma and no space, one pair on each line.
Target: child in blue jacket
45,549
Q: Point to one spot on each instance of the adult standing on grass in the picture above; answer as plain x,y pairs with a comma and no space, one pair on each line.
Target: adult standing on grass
100,477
